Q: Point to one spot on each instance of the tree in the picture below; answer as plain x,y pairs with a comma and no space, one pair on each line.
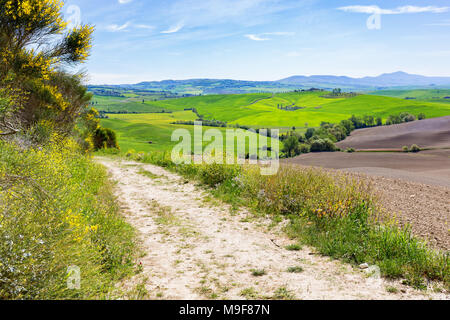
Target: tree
337,92
369,121
379,121
291,146
35,46
309,133
348,125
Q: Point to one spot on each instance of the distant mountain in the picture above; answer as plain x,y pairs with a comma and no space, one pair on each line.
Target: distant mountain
387,80
396,80
211,86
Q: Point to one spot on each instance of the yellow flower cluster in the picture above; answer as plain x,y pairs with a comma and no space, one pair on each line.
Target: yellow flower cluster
79,226
60,102
79,40
33,11
39,64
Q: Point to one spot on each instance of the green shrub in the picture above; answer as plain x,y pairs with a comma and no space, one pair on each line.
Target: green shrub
350,150
405,149
415,148
322,145
304,148
105,138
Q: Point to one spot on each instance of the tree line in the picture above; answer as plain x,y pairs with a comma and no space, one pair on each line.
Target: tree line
323,139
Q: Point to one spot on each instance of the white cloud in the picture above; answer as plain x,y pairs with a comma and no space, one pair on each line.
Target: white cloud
144,26
254,37
398,10
124,1
116,28
260,37
201,13
174,28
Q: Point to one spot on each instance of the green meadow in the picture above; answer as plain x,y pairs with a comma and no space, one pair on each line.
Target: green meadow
257,110
435,95
153,131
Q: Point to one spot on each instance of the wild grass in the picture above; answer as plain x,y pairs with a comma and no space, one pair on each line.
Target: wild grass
295,269
258,272
294,247
332,212
57,210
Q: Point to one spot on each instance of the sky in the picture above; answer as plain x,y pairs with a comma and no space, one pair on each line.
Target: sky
262,40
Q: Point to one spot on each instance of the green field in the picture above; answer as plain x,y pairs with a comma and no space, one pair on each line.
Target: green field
257,110
436,95
153,131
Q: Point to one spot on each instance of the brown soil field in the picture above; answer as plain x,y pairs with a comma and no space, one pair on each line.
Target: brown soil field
429,133
427,167
413,187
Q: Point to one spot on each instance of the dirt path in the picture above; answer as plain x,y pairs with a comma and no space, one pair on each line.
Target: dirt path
199,250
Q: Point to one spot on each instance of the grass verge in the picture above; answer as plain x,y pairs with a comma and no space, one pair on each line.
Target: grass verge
57,210
331,212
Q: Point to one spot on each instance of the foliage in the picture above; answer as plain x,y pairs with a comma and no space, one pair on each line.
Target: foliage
322,145
34,46
415,148
105,138
56,211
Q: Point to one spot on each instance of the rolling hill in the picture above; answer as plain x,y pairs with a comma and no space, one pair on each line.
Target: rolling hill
261,110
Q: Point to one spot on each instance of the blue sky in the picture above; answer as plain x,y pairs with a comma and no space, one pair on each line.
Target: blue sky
144,40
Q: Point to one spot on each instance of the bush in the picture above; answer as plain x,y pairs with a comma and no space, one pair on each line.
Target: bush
405,149
322,145
415,148
350,150
105,138
304,148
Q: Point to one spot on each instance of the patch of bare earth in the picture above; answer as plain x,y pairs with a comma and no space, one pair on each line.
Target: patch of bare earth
196,250
423,207
414,187
425,133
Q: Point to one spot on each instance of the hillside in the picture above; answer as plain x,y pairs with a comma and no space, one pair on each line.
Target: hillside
429,133
261,109
434,95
